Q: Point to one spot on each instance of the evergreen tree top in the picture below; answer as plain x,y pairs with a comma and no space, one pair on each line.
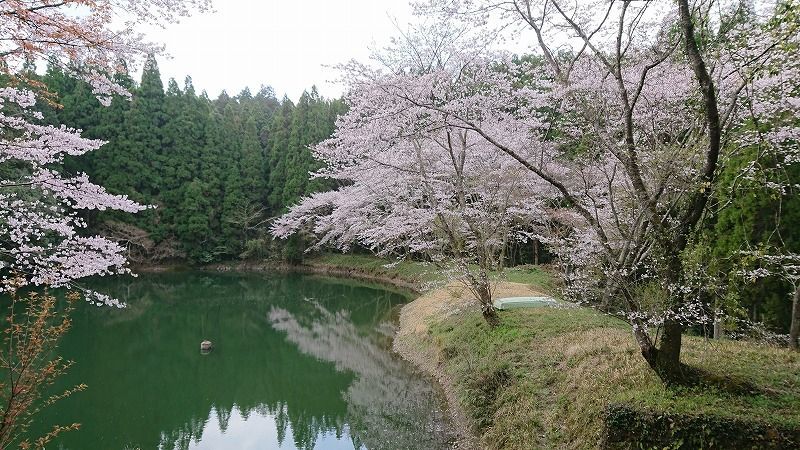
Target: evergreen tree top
172,88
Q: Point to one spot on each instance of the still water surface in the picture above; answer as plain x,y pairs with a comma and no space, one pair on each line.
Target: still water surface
299,362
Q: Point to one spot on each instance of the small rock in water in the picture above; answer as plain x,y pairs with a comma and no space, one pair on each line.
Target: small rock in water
205,346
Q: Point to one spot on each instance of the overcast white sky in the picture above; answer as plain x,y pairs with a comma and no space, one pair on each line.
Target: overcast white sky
285,44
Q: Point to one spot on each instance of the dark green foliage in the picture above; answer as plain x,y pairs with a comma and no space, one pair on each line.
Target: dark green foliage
216,170
294,249
195,224
630,428
277,144
293,130
754,217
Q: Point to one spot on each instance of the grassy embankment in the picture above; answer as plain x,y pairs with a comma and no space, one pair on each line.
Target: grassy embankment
405,271
573,378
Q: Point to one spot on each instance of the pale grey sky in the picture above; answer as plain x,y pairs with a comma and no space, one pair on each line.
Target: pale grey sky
285,44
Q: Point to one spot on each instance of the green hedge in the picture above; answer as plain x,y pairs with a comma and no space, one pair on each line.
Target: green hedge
630,428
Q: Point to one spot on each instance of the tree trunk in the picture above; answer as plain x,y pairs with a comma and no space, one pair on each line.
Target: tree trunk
610,293
718,334
536,252
718,331
665,360
794,328
487,305
490,315
645,343
668,360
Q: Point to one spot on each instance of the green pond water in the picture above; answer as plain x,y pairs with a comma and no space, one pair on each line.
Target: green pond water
298,362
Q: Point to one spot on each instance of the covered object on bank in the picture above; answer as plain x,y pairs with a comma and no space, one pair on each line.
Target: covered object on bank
523,302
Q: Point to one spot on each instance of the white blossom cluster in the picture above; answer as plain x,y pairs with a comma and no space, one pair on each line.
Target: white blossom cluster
597,145
41,229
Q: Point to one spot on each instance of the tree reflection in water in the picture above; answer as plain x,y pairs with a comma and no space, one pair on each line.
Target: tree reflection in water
387,407
284,373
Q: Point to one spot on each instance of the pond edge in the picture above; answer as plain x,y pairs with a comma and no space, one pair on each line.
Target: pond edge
415,348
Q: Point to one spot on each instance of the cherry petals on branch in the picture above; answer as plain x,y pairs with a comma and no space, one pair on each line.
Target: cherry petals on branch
41,228
92,39
39,219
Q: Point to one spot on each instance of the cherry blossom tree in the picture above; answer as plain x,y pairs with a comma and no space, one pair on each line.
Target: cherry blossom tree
649,100
40,221
414,183
412,180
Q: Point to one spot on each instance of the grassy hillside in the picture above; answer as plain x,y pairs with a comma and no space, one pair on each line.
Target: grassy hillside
370,265
547,377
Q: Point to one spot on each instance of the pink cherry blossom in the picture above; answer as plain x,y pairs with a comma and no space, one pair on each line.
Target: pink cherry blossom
44,241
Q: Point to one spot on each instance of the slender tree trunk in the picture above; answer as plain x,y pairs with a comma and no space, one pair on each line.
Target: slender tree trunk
536,252
484,293
645,343
667,361
611,292
718,334
794,328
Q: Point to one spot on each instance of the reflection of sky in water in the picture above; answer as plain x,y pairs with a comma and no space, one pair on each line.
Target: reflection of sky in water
257,431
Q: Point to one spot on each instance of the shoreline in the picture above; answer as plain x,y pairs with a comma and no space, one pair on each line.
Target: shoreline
406,343
410,286
422,357
410,343
566,377
414,343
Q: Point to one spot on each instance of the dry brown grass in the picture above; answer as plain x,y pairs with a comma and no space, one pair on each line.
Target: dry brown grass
454,298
